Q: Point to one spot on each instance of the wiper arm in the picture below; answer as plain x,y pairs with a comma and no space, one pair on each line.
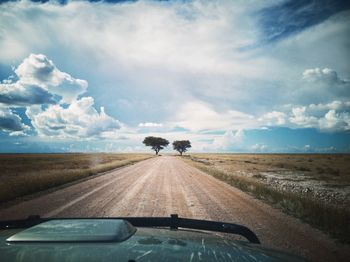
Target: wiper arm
173,222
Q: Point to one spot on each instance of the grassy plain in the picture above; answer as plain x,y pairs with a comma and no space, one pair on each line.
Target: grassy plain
23,174
314,188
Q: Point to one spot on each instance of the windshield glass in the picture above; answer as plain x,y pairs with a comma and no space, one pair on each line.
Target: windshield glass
231,111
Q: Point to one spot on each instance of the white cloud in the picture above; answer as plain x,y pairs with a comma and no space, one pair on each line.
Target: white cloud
323,75
333,121
150,124
189,49
328,117
259,148
335,105
38,70
38,81
229,140
321,86
179,54
80,119
273,118
324,117
307,147
177,35
301,118
197,115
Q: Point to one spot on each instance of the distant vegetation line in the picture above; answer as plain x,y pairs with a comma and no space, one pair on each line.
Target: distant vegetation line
24,174
331,219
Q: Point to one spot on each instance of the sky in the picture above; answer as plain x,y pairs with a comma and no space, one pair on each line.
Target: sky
230,76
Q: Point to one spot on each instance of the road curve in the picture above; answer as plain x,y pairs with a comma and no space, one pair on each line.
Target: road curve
165,185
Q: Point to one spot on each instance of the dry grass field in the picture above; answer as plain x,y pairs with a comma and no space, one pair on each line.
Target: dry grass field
314,188
23,174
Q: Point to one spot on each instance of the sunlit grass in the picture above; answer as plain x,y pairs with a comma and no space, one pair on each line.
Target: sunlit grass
23,174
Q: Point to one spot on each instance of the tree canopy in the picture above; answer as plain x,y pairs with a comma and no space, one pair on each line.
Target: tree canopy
157,143
181,145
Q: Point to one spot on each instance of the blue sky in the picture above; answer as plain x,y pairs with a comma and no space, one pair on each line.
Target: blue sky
231,76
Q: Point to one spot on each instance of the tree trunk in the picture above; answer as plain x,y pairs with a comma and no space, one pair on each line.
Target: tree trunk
181,153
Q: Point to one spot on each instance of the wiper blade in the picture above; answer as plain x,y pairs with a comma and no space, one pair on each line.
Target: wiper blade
174,222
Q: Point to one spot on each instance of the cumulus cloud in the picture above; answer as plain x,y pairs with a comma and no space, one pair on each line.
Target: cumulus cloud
229,140
39,81
328,117
38,70
322,86
150,125
301,118
333,121
323,75
79,119
52,100
325,117
273,118
11,122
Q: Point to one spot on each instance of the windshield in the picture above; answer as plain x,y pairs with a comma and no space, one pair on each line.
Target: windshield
231,111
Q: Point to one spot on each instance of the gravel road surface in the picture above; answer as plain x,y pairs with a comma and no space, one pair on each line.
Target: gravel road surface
166,185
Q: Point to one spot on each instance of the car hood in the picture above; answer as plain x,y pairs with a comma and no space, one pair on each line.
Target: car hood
147,244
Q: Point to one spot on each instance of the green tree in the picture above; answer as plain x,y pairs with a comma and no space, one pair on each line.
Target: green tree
157,143
181,145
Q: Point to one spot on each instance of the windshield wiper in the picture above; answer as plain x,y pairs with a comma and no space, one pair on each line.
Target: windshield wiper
173,222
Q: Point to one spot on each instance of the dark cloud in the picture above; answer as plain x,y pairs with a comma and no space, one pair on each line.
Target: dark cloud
292,16
16,94
10,122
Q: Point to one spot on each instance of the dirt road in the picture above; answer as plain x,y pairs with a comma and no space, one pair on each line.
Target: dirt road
165,185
